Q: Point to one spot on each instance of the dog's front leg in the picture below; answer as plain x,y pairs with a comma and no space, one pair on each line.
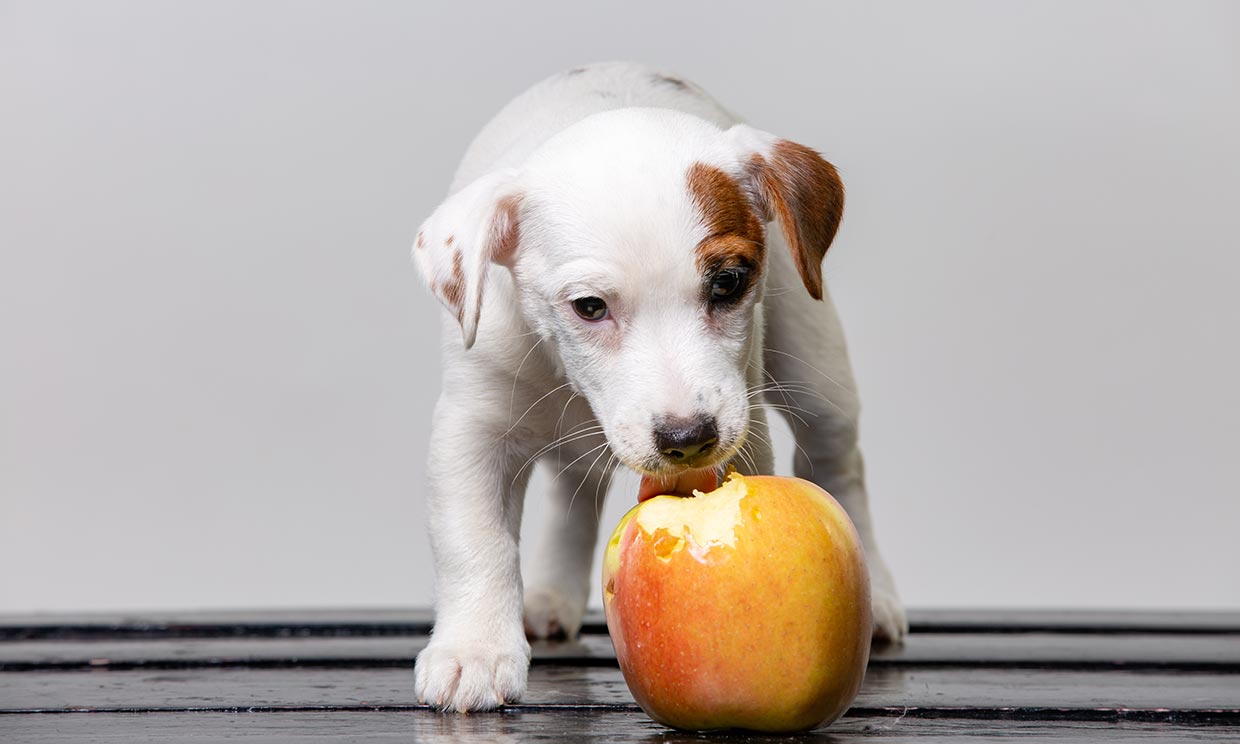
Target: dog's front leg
478,657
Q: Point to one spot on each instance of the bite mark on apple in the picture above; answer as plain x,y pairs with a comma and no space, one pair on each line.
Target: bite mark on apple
700,523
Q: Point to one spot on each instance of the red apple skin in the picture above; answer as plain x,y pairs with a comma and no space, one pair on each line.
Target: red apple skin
770,634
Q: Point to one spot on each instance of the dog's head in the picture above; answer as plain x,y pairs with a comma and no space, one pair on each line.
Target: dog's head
636,239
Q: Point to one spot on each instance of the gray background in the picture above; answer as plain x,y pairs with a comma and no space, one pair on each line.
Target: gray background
217,364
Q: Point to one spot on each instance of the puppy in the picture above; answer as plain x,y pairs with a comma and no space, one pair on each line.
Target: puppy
616,296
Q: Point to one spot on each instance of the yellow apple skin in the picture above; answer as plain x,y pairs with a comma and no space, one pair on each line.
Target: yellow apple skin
769,633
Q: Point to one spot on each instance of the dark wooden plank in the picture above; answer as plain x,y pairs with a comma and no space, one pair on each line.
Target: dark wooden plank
218,623
514,727
1048,650
394,621
1029,620
1150,651
956,692
354,651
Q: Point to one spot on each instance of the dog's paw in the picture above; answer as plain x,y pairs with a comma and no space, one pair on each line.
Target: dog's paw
465,677
550,614
890,622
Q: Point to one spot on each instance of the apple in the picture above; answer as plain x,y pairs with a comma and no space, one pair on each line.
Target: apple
745,607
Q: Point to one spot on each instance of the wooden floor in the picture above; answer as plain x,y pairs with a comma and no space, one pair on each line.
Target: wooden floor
347,676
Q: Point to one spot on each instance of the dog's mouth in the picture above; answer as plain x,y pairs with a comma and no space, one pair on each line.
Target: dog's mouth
660,478
683,483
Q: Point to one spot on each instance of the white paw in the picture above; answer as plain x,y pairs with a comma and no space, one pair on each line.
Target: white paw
890,622
550,614
464,677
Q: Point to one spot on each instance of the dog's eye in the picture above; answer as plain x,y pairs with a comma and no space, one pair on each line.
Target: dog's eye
590,308
729,284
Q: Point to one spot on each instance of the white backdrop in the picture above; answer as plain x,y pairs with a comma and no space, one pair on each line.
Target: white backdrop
217,364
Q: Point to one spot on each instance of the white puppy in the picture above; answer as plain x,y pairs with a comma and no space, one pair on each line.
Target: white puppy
606,260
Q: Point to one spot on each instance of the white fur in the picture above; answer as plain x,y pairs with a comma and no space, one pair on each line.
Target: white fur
599,158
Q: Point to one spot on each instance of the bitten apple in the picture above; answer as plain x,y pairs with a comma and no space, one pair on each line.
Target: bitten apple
745,607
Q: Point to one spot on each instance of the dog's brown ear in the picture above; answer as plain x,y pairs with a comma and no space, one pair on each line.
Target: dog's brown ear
793,184
475,227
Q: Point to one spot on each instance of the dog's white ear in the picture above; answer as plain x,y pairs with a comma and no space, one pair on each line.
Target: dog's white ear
793,184
455,247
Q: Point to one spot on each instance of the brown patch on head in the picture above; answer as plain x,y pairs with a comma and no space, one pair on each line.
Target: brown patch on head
734,232
448,241
806,194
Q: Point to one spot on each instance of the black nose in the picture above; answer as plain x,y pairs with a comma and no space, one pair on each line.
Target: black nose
682,439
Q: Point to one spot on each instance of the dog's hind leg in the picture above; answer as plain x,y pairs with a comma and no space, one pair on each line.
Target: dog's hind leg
811,384
557,571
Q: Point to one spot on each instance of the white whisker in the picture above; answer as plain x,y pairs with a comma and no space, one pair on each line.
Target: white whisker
807,364
604,483
576,434
512,398
585,477
527,411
